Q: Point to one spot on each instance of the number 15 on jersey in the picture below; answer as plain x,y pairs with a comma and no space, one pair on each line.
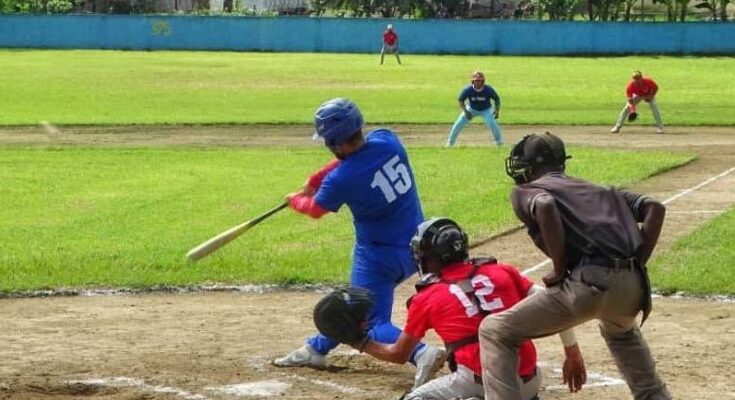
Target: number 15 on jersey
392,179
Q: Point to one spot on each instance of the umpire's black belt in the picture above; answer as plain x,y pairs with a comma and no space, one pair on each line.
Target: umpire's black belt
616,264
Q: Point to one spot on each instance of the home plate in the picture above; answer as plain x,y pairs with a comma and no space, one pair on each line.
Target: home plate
593,379
262,388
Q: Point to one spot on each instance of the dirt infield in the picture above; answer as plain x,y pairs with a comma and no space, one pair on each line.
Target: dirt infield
219,345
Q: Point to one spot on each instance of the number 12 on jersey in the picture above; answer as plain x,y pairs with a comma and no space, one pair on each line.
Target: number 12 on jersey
483,287
392,179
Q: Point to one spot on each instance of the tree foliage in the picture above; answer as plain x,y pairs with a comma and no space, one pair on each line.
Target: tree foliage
37,6
554,10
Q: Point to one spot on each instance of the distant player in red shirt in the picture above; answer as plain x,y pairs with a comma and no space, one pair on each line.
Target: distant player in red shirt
390,44
454,295
639,89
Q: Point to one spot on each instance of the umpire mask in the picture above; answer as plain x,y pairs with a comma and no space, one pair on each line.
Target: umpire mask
440,240
533,151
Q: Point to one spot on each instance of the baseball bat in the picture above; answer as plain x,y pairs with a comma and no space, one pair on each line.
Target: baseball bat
213,244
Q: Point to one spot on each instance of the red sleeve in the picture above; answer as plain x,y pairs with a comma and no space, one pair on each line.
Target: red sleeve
307,205
522,283
417,319
629,89
315,180
654,87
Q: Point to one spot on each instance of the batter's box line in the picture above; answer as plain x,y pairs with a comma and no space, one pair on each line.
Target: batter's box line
123,381
327,384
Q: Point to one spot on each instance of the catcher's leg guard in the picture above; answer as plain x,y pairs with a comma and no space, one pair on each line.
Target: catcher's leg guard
428,362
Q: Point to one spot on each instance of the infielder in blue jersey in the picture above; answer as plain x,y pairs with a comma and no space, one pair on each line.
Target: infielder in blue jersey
479,95
373,178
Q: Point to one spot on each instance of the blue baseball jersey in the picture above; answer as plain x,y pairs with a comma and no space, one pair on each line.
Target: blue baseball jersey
480,100
377,184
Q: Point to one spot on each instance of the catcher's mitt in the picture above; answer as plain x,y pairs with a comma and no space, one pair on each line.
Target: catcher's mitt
342,315
632,116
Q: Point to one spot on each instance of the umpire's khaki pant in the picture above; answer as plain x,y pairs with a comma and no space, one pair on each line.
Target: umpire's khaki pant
591,292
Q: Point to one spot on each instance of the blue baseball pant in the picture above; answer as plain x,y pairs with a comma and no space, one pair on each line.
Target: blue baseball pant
379,269
462,122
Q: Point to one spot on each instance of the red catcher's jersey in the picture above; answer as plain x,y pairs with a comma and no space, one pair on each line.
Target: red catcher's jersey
390,38
646,87
453,315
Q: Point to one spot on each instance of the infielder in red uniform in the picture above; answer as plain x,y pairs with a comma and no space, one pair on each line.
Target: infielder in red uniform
390,44
454,295
639,89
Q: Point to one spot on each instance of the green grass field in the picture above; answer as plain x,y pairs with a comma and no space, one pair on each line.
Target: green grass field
126,217
124,87
701,263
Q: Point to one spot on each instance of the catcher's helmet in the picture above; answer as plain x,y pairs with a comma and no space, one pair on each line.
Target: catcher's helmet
439,239
337,120
535,150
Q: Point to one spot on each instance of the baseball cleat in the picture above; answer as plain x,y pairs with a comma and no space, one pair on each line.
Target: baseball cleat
306,356
615,129
659,130
428,363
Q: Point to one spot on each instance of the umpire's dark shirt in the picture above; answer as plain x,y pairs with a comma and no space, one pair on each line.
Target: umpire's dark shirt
598,221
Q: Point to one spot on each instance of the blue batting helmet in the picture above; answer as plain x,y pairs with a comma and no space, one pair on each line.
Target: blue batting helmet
337,120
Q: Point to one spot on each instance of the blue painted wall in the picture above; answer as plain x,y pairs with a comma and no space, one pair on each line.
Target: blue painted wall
137,32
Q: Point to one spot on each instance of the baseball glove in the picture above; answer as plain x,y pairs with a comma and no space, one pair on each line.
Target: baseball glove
632,116
342,316
468,115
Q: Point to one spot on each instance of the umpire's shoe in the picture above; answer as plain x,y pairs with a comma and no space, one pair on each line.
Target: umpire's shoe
428,362
303,357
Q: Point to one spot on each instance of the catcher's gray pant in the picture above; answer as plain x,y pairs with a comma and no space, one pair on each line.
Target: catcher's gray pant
613,296
461,385
635,100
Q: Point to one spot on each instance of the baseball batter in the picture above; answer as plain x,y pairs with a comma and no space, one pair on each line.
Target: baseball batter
372,176
639,89
599,253
390,44
475,99
454,295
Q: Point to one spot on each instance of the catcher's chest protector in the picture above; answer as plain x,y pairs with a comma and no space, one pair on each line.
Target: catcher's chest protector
466,286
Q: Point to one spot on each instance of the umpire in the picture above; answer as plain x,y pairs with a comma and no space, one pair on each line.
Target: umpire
599,253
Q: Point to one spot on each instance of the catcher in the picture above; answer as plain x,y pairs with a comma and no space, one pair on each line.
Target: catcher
454,295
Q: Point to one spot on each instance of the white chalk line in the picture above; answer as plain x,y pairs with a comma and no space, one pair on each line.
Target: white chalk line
259,363
269,387
693,188
122,381
327,384
684,192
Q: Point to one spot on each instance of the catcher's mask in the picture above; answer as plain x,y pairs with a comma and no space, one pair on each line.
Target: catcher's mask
439,239
534,150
